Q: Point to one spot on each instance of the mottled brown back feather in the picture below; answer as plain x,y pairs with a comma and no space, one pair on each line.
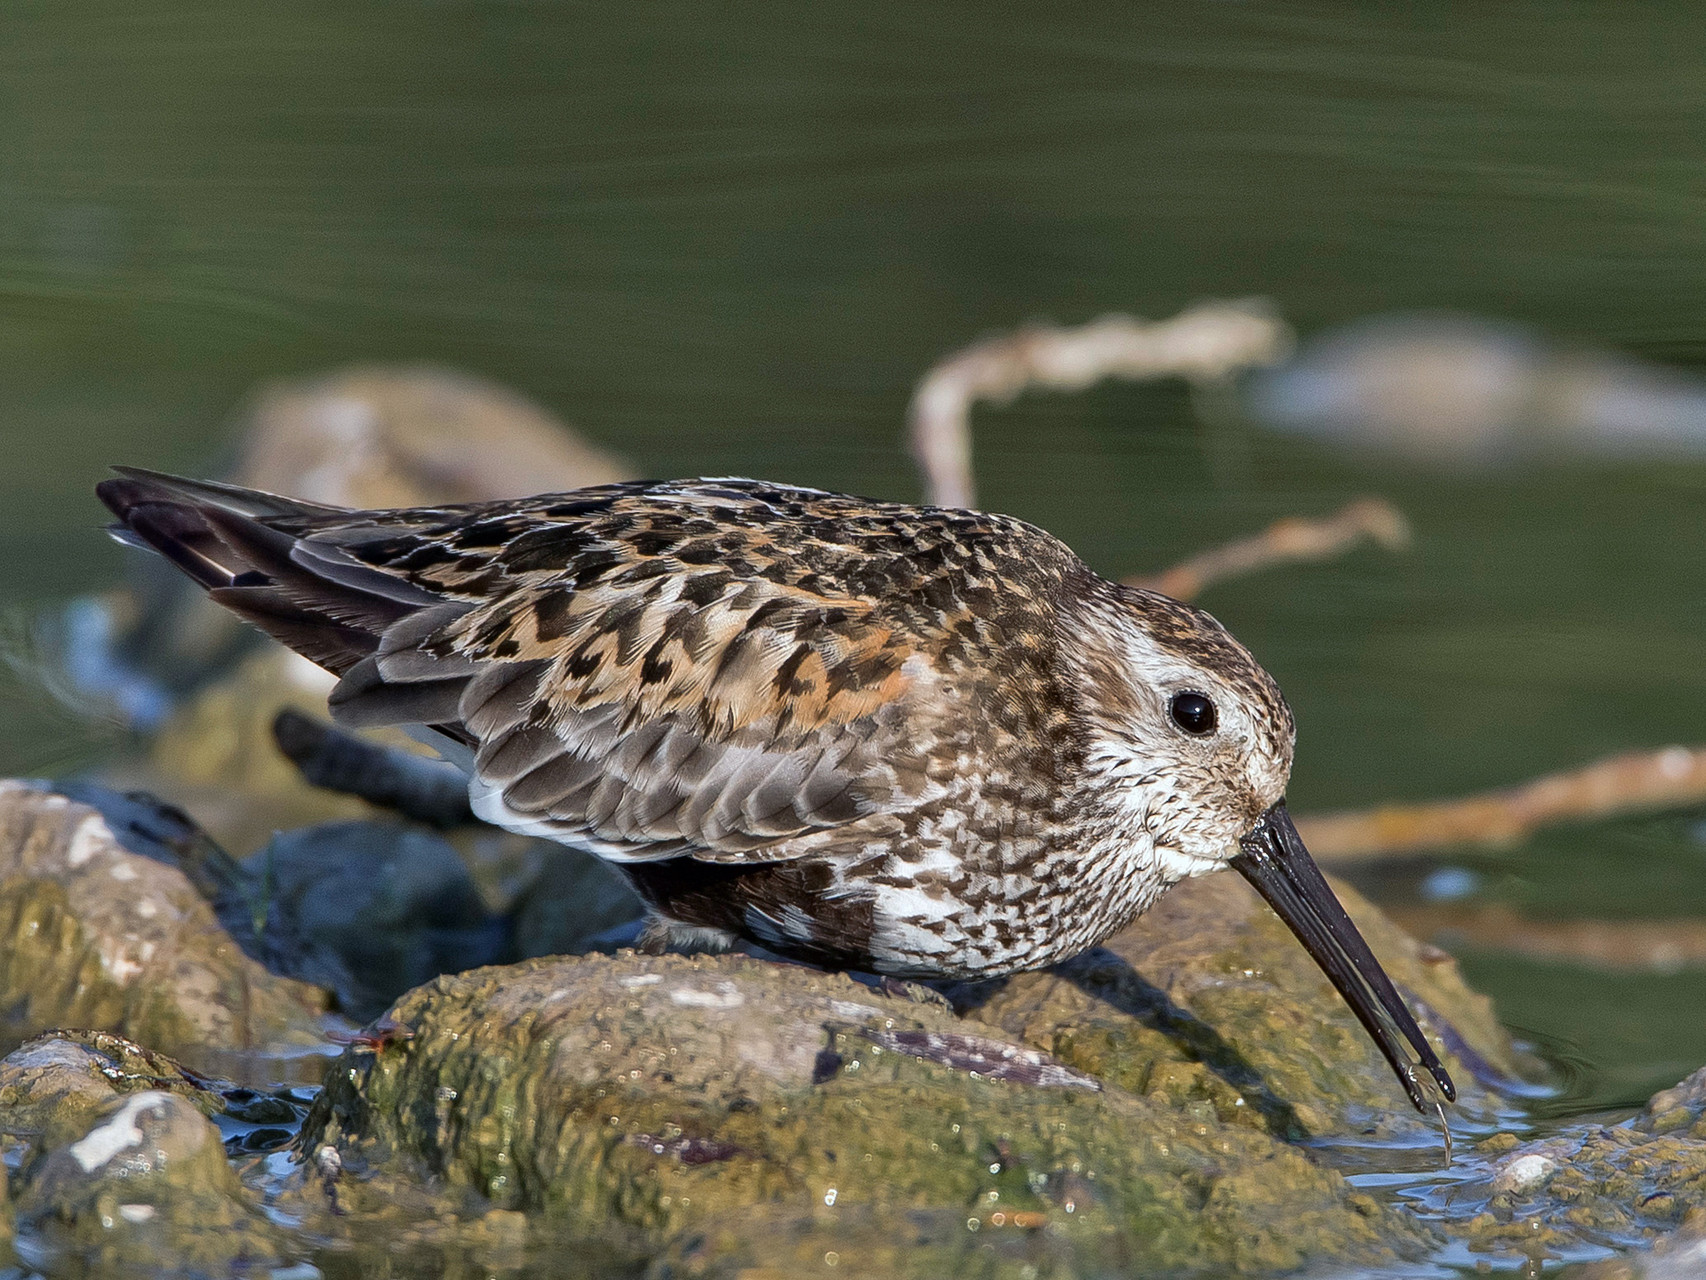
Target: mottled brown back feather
720,665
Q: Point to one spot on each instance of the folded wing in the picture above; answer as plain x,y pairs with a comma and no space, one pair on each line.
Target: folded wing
645,671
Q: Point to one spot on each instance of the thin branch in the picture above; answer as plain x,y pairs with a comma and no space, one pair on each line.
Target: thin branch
1206,343
1650,946
1674,777
1291,540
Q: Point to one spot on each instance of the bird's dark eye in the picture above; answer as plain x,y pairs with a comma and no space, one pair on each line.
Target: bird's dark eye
1193,713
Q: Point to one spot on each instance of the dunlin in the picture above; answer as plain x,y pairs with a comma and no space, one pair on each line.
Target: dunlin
916,741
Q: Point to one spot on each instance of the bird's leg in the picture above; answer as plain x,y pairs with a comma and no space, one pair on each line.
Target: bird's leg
660,935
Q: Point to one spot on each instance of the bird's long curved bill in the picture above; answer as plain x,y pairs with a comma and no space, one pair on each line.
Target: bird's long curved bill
1273,859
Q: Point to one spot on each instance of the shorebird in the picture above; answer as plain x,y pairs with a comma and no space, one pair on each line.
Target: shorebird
917,741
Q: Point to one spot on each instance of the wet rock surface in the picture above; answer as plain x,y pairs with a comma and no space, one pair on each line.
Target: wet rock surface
1592,1185
118,1166
362,910
94,934
1209,1005
648,1101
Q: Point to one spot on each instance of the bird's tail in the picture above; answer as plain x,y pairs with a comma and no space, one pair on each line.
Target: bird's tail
249,550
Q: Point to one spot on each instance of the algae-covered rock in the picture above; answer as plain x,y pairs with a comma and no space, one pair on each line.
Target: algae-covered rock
363,909
121,1167
52,1087
769,1243
654,1101
147,1187
1620,1185
95,935
1210,1005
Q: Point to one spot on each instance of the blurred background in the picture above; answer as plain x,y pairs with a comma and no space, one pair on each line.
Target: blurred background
731,239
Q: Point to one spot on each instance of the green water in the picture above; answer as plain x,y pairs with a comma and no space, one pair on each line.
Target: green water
730,238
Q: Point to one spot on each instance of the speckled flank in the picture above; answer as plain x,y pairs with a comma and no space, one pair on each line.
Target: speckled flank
920,740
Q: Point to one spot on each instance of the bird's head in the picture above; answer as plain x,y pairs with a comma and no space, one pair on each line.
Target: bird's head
1189,739
1190,747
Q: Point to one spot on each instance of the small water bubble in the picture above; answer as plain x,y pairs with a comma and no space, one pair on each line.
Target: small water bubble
829,1197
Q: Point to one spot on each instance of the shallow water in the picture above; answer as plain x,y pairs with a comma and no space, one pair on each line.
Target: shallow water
729,240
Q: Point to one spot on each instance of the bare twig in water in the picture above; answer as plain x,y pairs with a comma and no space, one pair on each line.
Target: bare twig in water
1286,541
1646,780
1206,343
1643,946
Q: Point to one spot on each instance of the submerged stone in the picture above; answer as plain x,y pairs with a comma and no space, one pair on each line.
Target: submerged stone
1616,1185
652,1102
51,1087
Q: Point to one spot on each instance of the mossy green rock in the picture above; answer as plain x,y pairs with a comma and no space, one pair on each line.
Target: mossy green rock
52,1087
121,1170
1209,1005
1624,1184
653,1101
95,935
147,1189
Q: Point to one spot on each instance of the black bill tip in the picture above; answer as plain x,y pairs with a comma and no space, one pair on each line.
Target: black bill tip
1272,858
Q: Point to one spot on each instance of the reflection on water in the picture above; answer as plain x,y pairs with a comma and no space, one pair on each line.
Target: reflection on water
729,241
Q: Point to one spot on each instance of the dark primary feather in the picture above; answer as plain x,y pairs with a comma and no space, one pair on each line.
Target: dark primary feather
725,669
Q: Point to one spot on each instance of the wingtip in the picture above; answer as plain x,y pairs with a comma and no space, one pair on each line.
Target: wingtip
132,485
